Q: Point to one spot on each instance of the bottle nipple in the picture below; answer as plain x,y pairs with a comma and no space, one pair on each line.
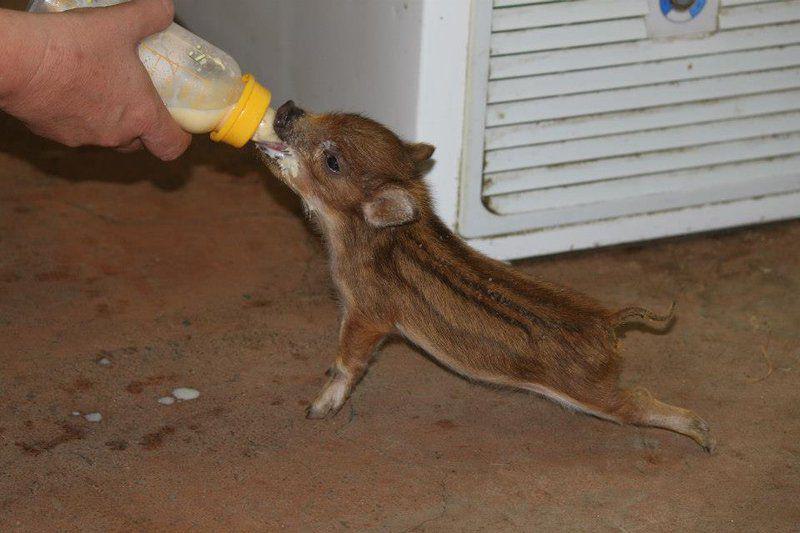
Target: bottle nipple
266,129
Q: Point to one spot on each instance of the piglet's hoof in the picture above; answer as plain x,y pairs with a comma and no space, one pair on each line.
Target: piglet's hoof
313,412
330,399
323,407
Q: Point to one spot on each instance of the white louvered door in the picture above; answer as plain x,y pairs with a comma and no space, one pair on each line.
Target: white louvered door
581,123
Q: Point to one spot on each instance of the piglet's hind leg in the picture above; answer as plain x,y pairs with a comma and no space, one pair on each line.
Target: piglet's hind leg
638,407
357,341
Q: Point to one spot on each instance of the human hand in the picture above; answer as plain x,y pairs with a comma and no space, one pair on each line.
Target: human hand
82,82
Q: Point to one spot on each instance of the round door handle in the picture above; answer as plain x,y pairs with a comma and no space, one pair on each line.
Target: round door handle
682,5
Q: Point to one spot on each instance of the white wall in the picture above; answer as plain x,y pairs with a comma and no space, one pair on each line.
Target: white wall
401,62
352,55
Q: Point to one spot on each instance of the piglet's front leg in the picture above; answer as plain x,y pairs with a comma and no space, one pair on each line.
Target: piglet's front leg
357,341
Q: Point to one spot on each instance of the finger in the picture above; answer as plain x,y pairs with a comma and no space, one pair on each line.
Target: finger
164,138
133,146
146,17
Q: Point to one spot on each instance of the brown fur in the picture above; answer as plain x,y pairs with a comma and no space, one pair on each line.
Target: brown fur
399,270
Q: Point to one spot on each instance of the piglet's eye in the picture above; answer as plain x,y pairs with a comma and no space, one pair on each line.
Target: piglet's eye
332,163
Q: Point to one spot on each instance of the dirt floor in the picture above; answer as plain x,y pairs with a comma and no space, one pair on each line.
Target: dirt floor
122,278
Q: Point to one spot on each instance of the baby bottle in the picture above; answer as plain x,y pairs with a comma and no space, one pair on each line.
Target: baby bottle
202,86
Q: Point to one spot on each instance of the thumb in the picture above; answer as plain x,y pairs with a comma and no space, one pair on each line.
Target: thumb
146,17
164,138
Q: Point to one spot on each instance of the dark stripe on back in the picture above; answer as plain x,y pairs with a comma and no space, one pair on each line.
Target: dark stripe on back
491,293
460,251
448,282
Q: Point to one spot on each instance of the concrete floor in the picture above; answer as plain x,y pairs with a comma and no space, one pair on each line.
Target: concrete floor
202,273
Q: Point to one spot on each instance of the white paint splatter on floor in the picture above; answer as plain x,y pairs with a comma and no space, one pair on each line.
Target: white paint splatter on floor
93,417
185,393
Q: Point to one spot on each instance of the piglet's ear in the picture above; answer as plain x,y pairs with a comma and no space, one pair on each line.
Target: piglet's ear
420,152
390,206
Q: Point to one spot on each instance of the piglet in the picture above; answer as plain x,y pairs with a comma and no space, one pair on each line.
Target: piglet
400,271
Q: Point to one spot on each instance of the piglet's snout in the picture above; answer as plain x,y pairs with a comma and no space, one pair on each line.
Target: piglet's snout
285,117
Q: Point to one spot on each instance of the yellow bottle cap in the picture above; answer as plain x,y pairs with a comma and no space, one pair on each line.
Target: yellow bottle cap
242,122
